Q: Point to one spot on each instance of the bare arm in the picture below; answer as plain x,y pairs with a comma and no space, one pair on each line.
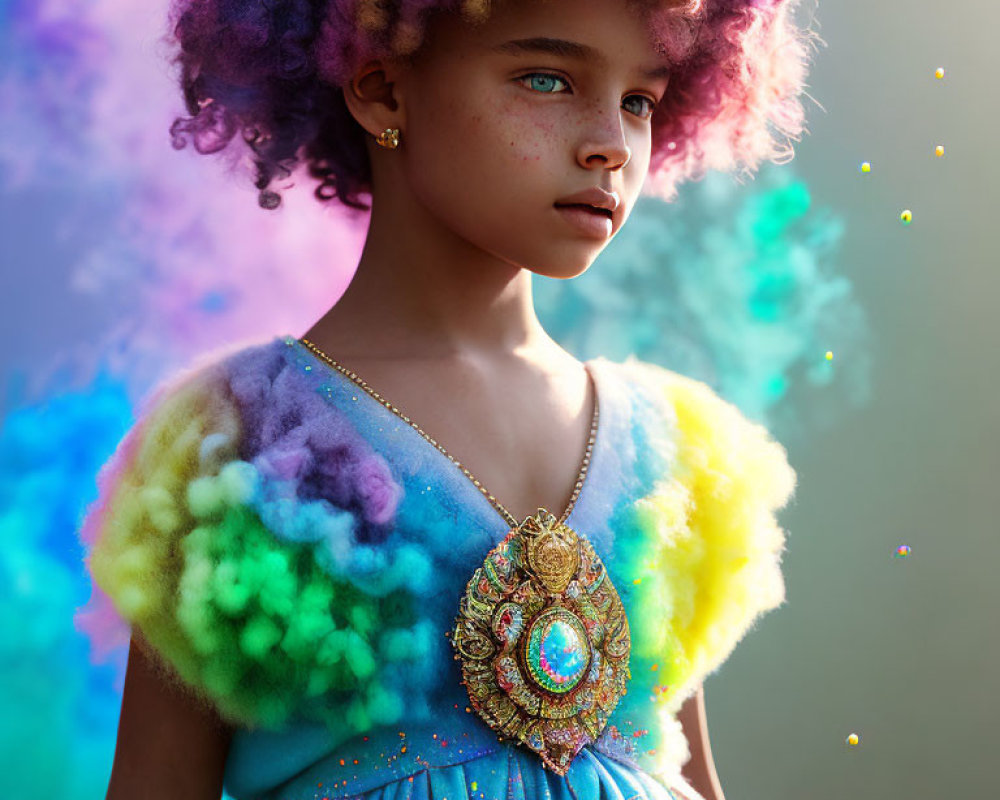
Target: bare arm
170,743
700,770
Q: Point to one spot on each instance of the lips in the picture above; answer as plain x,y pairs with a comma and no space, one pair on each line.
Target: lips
604,212
593,196
585,219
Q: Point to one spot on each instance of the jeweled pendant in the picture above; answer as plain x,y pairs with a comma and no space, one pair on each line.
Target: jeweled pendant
543,640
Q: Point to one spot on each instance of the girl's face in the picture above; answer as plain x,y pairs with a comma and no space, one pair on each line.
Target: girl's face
505,119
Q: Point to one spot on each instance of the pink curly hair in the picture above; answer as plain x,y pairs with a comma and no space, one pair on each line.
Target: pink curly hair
271,71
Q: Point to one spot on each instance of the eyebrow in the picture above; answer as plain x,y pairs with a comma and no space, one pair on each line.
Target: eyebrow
568,49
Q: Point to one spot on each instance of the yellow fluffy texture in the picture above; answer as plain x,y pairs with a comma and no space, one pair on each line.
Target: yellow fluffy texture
712,566
135,557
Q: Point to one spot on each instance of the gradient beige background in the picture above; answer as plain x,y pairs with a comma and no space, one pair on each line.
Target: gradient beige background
902,652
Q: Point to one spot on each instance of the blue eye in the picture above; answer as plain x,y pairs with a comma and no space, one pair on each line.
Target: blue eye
650,105
543,82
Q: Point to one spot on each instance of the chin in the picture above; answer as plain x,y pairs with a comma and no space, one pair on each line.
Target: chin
563,269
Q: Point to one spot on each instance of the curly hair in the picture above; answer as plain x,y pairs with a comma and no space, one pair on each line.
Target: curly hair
271,70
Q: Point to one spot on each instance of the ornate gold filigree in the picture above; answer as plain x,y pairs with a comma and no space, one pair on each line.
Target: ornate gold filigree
543,640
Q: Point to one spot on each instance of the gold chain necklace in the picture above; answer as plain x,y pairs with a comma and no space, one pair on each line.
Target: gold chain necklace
541,632
508,517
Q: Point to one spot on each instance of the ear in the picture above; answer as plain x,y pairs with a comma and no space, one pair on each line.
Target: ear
372,97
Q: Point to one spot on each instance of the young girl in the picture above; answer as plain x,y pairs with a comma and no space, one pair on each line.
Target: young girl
423,551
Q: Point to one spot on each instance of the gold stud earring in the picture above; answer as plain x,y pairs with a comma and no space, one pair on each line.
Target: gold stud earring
389,138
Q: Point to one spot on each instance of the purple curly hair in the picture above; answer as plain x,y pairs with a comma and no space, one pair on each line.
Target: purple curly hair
271,70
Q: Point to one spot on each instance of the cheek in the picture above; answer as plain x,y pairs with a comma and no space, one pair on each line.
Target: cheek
484,154
508,136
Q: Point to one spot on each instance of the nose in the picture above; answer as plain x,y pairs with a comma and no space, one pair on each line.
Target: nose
604,144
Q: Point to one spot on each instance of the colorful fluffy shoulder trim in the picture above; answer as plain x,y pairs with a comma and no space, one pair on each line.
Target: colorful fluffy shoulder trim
229,531
701,552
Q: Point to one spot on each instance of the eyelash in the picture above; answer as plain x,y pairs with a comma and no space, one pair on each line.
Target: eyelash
650,102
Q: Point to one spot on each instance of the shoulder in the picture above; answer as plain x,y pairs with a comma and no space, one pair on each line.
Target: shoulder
262,403
227,531
707,433
706,560
209,390
251,422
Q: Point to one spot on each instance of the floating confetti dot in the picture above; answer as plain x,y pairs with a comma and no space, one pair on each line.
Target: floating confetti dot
906,217
939,150
902,551
853,739
866,166
829,355
939,73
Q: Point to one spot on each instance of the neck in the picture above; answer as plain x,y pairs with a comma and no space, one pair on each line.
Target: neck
420,290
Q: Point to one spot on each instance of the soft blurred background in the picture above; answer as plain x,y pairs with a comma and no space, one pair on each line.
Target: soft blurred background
867,345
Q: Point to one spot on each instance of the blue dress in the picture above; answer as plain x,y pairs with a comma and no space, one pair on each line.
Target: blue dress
311,548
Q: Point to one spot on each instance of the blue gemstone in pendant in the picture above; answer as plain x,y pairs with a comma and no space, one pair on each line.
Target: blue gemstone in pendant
558,650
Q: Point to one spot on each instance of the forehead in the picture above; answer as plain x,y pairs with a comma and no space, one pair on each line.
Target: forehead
606,32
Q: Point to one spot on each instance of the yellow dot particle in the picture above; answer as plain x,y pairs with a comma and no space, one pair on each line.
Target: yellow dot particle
853,739
939,73
906,217
829,355
474,785
939,150
866,166
637,581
